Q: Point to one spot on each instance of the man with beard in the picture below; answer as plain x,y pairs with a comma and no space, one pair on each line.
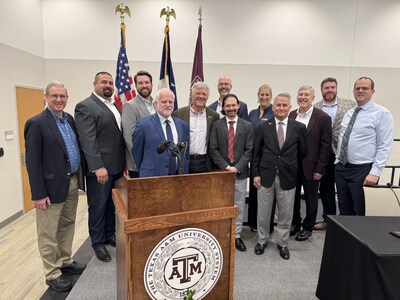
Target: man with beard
140,106
98,122
152,131
336,108
224,88
231,147
200,119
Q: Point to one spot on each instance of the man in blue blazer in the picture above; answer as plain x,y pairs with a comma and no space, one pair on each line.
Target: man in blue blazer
53,162
152,131
224,88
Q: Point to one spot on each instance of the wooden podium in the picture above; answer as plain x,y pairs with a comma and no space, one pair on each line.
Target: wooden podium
149,209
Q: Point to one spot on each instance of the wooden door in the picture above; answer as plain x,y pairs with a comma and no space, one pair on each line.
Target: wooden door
30,102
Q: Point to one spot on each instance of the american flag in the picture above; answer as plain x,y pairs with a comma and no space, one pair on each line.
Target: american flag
123,80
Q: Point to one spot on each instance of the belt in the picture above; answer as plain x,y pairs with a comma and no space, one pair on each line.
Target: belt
197,156
348,165
73,174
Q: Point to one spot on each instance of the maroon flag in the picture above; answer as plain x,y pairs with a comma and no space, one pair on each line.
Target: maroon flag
197,70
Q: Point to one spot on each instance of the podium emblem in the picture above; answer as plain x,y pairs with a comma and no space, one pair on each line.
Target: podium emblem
189,258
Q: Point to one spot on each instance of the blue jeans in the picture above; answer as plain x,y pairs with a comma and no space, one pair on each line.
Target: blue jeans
101,210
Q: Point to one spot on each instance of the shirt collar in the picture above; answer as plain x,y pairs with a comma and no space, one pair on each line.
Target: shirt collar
57,117
285,121
334,103
235,119
196,112
162,119
307,113
105,100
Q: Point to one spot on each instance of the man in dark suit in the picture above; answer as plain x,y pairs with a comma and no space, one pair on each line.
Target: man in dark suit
53,162
231,146
336,108
224,88
140,106
200,119
98,122
152,131
279,144
312,167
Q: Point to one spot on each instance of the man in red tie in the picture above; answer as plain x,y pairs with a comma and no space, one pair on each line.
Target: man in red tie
231,146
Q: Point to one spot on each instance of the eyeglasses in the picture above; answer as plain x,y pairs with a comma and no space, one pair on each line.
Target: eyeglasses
55,97
362,88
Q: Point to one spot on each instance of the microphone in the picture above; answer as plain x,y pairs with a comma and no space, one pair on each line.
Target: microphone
163,146
182,145
390,186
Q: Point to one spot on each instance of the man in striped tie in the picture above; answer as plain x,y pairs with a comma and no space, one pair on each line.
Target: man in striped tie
364,146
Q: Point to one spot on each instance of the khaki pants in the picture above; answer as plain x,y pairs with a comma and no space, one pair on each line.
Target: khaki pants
55,229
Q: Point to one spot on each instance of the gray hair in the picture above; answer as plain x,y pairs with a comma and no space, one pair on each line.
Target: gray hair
55,83
286,95
307,87
198,86
157,96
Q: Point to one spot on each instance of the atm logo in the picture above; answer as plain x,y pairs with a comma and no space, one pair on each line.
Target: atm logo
190,258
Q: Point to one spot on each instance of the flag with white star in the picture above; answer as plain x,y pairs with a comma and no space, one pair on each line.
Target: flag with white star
123,80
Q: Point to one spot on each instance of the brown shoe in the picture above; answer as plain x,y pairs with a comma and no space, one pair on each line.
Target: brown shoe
320,226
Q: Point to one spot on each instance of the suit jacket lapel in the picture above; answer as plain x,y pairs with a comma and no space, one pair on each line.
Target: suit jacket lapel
106,109
312,121
157,124
56,131
289,132
142,106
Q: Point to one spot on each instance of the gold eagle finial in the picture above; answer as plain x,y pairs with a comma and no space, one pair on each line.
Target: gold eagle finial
168,12
122,9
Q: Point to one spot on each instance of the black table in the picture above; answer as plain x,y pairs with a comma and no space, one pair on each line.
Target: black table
361,260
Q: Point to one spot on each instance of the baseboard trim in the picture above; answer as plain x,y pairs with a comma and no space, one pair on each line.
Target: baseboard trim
10,219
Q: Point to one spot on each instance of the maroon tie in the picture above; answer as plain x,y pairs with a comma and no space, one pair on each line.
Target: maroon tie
281,137
231,141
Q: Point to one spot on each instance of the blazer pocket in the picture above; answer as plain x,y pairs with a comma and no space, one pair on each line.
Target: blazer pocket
264,164
48,177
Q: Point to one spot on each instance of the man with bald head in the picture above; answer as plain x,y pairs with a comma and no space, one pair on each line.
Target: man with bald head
224,87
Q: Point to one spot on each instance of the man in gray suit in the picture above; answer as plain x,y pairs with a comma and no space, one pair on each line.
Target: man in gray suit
231,146
279,145
140,106
336,108
200,119
98,123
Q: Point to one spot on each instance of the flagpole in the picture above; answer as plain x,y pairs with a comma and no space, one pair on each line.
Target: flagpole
123,79
167,12
166,73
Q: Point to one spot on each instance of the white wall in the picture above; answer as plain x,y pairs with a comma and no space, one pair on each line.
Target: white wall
286,43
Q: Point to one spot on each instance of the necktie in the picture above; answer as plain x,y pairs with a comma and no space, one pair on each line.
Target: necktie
172,159
345,140
281,135
231,141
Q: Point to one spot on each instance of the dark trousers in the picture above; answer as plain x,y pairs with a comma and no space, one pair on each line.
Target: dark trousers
310,188
327,188
349,184
253,208
101,210
198,166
